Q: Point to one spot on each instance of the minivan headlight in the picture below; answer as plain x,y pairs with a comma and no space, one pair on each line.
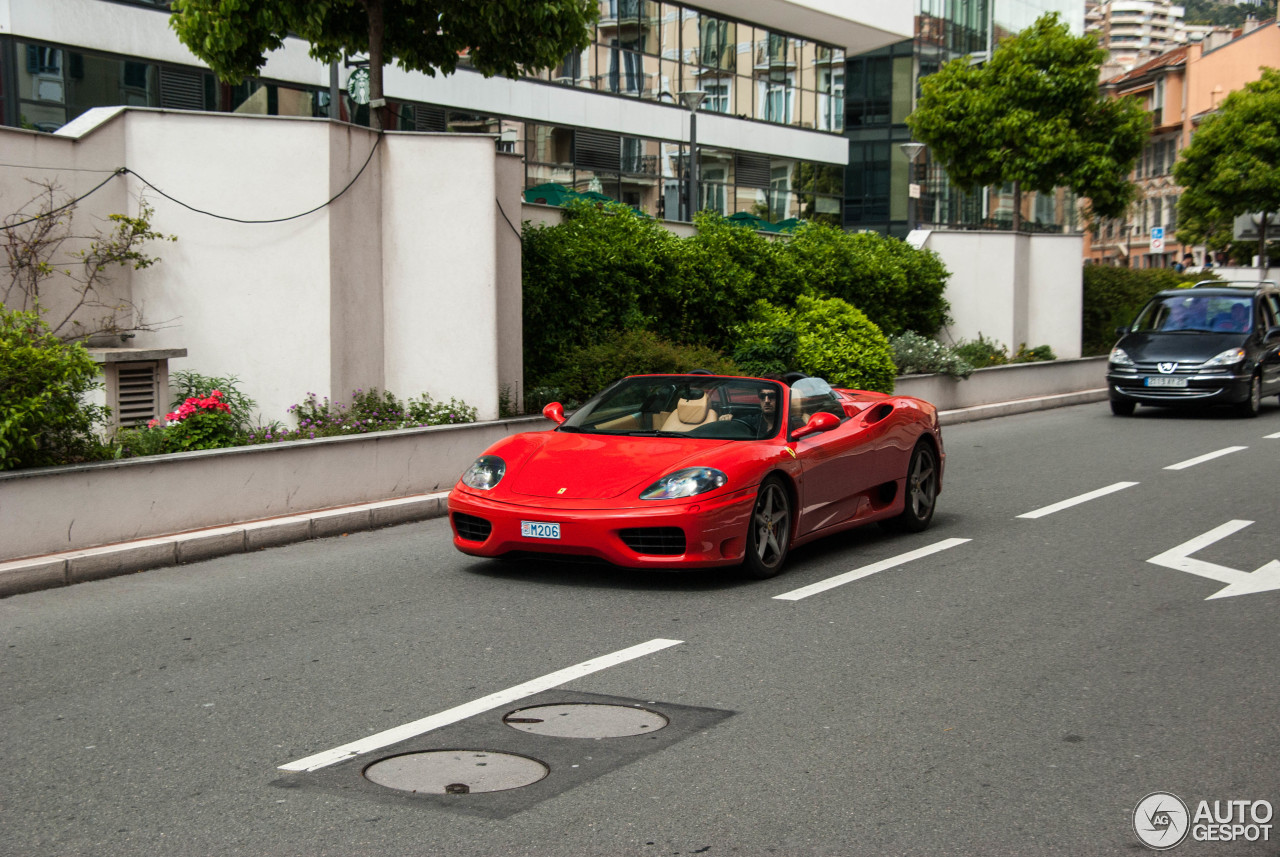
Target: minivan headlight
1227,358
485,472
1120,358
685,483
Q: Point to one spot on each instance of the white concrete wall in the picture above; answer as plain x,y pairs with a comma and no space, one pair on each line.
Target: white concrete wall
394,285
1013,288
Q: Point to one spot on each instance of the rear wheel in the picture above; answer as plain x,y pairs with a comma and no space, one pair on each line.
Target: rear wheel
769,531
921,492
1122,409
1251,406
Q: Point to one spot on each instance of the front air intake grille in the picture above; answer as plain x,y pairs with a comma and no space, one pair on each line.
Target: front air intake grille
471,528
660,541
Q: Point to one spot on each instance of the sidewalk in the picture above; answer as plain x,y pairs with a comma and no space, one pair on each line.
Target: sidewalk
63,569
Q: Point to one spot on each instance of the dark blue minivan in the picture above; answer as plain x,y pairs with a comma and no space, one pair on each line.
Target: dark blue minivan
1215,343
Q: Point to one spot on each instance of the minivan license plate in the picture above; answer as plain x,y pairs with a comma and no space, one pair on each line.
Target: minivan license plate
1166,381
539,530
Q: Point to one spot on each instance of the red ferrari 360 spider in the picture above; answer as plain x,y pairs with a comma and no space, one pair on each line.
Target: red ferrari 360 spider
678,471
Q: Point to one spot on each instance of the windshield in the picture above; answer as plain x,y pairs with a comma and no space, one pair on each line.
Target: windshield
1196,313
683,406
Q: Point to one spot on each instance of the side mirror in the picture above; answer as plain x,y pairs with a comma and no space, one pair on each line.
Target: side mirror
1121,331
1272,333
554,412
819,422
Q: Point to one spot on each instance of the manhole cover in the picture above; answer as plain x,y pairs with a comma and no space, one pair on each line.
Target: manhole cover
585,720
440,772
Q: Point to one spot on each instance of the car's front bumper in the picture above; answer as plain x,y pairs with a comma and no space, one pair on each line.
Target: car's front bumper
711,531
1202,388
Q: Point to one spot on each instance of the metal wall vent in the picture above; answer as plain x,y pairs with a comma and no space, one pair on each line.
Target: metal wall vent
137,398
181,89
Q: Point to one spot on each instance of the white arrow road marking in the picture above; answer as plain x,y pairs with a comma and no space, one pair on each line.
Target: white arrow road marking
1263,579
867,570
1272,436
1076,501
1200,459
462,712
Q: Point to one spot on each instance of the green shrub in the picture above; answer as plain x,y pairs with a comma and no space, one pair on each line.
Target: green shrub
1033,355
982,352
1113,296
896,286
190,385
44,419
833,340
914,354
370,410
589,369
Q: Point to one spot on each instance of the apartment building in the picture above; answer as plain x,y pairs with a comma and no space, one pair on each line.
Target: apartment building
1179,89
1134,31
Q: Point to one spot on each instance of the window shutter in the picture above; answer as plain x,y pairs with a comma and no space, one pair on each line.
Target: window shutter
595,151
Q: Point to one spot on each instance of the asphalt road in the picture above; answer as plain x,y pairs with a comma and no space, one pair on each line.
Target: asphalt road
1017,693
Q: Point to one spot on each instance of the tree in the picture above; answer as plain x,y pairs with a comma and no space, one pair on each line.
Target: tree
1232,166
51,269
1034,116
504,37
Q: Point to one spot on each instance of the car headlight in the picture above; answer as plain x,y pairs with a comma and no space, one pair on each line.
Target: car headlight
1226,358
485,473
685,483
1119,358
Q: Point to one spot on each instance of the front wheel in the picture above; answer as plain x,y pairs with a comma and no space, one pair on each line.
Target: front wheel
769,531
922,490
1251,406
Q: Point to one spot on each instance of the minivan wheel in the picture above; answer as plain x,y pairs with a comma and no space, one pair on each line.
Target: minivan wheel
1251,406
1122,409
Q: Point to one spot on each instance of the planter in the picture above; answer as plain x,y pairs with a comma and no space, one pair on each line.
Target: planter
55,509
1001,384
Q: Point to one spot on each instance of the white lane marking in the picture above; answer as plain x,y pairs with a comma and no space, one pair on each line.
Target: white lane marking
1200,459
1272,436
470,709
867,570
1263,579
1076,501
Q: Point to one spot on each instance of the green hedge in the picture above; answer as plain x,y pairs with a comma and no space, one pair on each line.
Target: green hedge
1113,297
606,270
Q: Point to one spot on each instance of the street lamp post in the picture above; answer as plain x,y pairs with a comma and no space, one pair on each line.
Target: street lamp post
692,99
912,151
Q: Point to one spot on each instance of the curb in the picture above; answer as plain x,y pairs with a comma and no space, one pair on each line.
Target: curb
63,569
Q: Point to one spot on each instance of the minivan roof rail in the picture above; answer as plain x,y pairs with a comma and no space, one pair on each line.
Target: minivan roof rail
1233,284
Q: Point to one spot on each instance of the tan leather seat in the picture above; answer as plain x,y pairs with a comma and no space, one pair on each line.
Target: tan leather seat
689,414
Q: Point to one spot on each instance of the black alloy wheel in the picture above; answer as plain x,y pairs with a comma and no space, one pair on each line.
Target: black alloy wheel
921,490
1122,409
1251,406
769,531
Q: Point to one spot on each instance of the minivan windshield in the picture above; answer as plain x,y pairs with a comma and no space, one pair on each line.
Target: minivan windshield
683,406
1196,313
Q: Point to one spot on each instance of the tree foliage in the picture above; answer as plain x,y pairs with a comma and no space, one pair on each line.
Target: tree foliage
1034,115
505,37
1232,166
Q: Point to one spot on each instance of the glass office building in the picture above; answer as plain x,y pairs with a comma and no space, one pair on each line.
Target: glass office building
641,51
880,90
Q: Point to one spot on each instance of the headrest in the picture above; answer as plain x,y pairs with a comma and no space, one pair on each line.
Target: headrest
692,410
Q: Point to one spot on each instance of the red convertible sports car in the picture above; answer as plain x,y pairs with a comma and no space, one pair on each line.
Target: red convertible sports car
680,471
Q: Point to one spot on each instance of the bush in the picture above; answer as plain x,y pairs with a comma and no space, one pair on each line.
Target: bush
589,369
898,287
1033,355
914,354
43,417
370,410
1113,296
982,352
832,340
190,385
200,424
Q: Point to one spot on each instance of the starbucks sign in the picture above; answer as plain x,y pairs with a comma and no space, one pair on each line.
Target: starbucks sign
358,86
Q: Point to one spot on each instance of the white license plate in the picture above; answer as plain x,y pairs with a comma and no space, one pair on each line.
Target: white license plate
539,530
1166,381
